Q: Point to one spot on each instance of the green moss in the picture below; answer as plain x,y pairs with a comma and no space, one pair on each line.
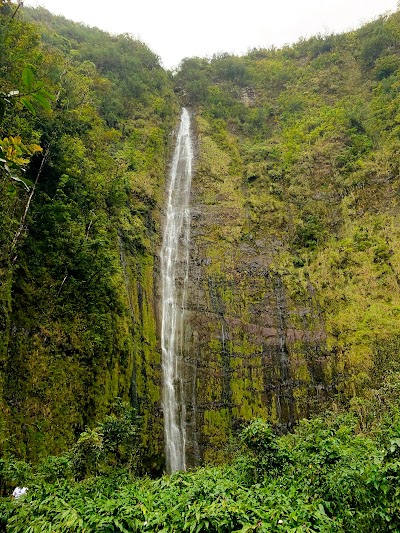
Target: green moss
217,428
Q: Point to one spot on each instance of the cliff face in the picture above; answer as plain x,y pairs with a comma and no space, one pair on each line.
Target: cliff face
294,298
273,333
64,372
294,285
256,347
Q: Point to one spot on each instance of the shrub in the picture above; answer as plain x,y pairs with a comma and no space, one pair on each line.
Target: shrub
263,455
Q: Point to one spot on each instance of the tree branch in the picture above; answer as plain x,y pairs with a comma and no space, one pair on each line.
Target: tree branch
28,203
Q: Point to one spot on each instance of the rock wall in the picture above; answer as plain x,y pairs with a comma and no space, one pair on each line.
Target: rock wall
255,348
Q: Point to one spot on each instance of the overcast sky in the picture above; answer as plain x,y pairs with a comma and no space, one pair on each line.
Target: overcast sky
175,29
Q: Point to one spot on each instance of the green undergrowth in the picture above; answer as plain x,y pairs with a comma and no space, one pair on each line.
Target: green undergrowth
336,473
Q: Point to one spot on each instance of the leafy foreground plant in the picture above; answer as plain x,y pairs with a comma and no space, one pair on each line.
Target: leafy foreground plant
207,500
324,478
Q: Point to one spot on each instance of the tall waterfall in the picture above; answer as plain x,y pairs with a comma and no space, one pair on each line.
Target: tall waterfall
174,277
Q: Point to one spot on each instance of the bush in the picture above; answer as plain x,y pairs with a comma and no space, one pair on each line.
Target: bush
55,468
114,442
13,472
263,455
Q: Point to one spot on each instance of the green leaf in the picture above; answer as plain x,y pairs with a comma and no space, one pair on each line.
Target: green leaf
321,508
25,183
27,103
41,99
28,78
11,190
247,527
45,93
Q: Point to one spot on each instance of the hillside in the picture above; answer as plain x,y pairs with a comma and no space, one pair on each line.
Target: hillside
295,241
77,273
295,250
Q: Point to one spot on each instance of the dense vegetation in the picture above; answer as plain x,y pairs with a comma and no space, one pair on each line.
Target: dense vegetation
299,154
85,123
298,179
336,473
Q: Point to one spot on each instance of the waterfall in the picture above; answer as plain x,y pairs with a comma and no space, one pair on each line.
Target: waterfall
174,279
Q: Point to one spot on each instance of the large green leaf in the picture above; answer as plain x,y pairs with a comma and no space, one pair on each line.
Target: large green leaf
41,99
28,78
28,104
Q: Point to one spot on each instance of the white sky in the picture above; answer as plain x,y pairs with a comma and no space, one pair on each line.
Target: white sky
175,29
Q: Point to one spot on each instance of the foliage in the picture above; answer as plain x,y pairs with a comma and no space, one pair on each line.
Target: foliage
297,182
337,480
13,472
15,155
81,183
264,457
113,442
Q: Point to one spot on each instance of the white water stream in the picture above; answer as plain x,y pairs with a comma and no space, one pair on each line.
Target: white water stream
174,277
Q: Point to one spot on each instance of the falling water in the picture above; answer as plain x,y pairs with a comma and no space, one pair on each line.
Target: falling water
174,276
